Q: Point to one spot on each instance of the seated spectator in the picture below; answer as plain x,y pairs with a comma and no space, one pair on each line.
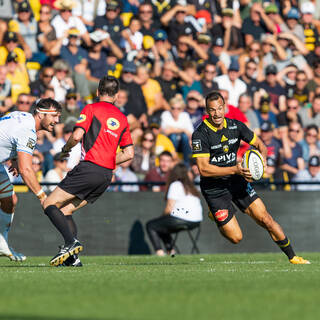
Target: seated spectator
208,83
301,91
159,174
125,174
163,46
5,91
195,107
193,82
71,108
144,159
23,103
290,115
254,54
183,210
292,160
264,112
40,85
132,36
232,83
61,82
311,115
219,56
310,144
45,147
56,174
310,174
18,76
149,25
292,24
246,107
177,125
75,153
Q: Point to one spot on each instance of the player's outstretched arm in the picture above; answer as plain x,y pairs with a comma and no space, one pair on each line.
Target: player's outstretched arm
125,154
29,176
209,170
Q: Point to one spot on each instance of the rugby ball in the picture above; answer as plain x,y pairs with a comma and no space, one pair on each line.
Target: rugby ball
253,160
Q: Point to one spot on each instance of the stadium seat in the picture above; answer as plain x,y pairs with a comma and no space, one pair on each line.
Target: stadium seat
193,234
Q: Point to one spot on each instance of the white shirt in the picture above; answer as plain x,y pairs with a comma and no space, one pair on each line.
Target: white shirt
75,153
304,175
60,89
183,121
239,87
187,207
126,175
52,176
61,26
17,133
87,11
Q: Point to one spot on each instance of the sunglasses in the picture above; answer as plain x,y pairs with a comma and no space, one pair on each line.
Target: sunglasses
209,71
48,75
254,50
292,130
65,10
145,11
174,108
292,107
312,135
301,79
71,97
149,140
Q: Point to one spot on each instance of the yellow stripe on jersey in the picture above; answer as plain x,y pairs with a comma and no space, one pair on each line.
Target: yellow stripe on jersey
212,127
201,155
253,139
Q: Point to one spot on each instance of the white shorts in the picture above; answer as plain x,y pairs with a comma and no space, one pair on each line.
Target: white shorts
6,187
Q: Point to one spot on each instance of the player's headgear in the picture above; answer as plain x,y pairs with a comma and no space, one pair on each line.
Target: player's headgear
108,86
47,106
214,95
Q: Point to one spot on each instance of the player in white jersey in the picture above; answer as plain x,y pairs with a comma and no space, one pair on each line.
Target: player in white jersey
18,138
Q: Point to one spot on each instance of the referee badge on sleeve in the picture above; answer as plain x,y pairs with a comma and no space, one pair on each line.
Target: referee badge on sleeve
196,145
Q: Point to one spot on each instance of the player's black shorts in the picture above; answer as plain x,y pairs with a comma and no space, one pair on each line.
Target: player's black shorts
87,181
220,193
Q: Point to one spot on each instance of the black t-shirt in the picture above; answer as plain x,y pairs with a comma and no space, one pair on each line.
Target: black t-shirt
168,88
252,86
248,27
221,146
236,37
273,155
284,121
174,29
114,28
206,89
98,67
274,92
155,25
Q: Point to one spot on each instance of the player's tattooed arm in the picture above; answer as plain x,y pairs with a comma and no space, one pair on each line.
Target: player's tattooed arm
74,139
125,154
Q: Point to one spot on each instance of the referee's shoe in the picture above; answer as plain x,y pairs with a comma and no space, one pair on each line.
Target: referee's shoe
65,252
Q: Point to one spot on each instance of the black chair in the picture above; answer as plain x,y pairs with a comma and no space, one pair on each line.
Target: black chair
193,234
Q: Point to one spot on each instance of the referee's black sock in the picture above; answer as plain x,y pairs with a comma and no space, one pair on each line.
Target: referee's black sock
285,246
72,226
60,222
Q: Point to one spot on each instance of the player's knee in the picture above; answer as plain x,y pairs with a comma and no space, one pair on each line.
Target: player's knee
235,239
8,204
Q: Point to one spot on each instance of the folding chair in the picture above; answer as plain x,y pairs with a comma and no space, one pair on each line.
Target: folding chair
193,234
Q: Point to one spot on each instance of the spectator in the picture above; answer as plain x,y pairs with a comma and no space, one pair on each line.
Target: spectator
132,36
148,24
301,91
313,56
183,210
111,22
264,112
40,85
56,174
232,83
207,82
311,115
290,115
292,25
310,144
71,109
195,107
159,174
311,174
219,56
44,146
192,83
163,46
177,125
144,159
23,103
5,91
246,107
125,174
249,77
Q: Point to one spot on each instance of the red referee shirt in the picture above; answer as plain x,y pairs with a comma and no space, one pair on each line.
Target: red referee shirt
106,128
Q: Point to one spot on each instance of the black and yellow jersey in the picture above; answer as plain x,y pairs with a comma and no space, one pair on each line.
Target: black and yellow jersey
221,146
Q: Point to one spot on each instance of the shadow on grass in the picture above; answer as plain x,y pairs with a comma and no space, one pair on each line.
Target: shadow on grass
47,317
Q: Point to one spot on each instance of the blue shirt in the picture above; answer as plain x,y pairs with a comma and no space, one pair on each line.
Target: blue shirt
73,59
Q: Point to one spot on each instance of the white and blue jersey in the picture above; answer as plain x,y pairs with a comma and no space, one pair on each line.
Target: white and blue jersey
17,133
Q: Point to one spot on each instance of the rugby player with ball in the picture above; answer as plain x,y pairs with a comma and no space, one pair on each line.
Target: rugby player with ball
214,145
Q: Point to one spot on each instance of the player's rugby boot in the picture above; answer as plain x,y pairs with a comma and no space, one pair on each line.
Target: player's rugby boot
73,261
12,255
65,252
299,260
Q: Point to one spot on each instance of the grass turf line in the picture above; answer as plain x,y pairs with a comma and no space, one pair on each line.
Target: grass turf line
223,286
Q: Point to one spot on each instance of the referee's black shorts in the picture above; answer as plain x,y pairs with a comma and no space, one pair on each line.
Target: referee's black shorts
87,181
223,192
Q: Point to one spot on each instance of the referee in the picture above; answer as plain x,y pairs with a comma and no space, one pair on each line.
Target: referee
214,145
102,128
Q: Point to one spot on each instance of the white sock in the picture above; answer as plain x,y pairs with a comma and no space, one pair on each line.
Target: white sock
5,223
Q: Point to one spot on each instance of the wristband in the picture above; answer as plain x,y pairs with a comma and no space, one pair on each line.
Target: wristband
41,194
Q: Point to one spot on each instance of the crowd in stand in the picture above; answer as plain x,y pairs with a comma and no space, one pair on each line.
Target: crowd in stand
263,56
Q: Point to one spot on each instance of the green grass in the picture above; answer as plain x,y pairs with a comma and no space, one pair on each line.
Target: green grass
233,286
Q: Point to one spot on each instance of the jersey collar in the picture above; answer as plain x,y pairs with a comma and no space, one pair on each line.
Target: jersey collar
214,128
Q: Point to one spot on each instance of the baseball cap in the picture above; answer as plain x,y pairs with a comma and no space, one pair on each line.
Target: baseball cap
308,7
112,5
293,14
218,41
74,32
271,8
234,66
23,7
205,14
266,126
271,69
71,93
129,66
160,35
98,36
227,12
147,42
314,161
204,38
12,56
10,36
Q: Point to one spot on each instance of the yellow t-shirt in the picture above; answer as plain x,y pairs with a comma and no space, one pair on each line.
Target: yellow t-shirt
150,89
18,51
19,82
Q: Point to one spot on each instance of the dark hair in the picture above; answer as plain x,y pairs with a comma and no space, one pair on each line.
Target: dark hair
47,103
250,61
312,127
180,173
149,131
212,96
165,153
108,86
